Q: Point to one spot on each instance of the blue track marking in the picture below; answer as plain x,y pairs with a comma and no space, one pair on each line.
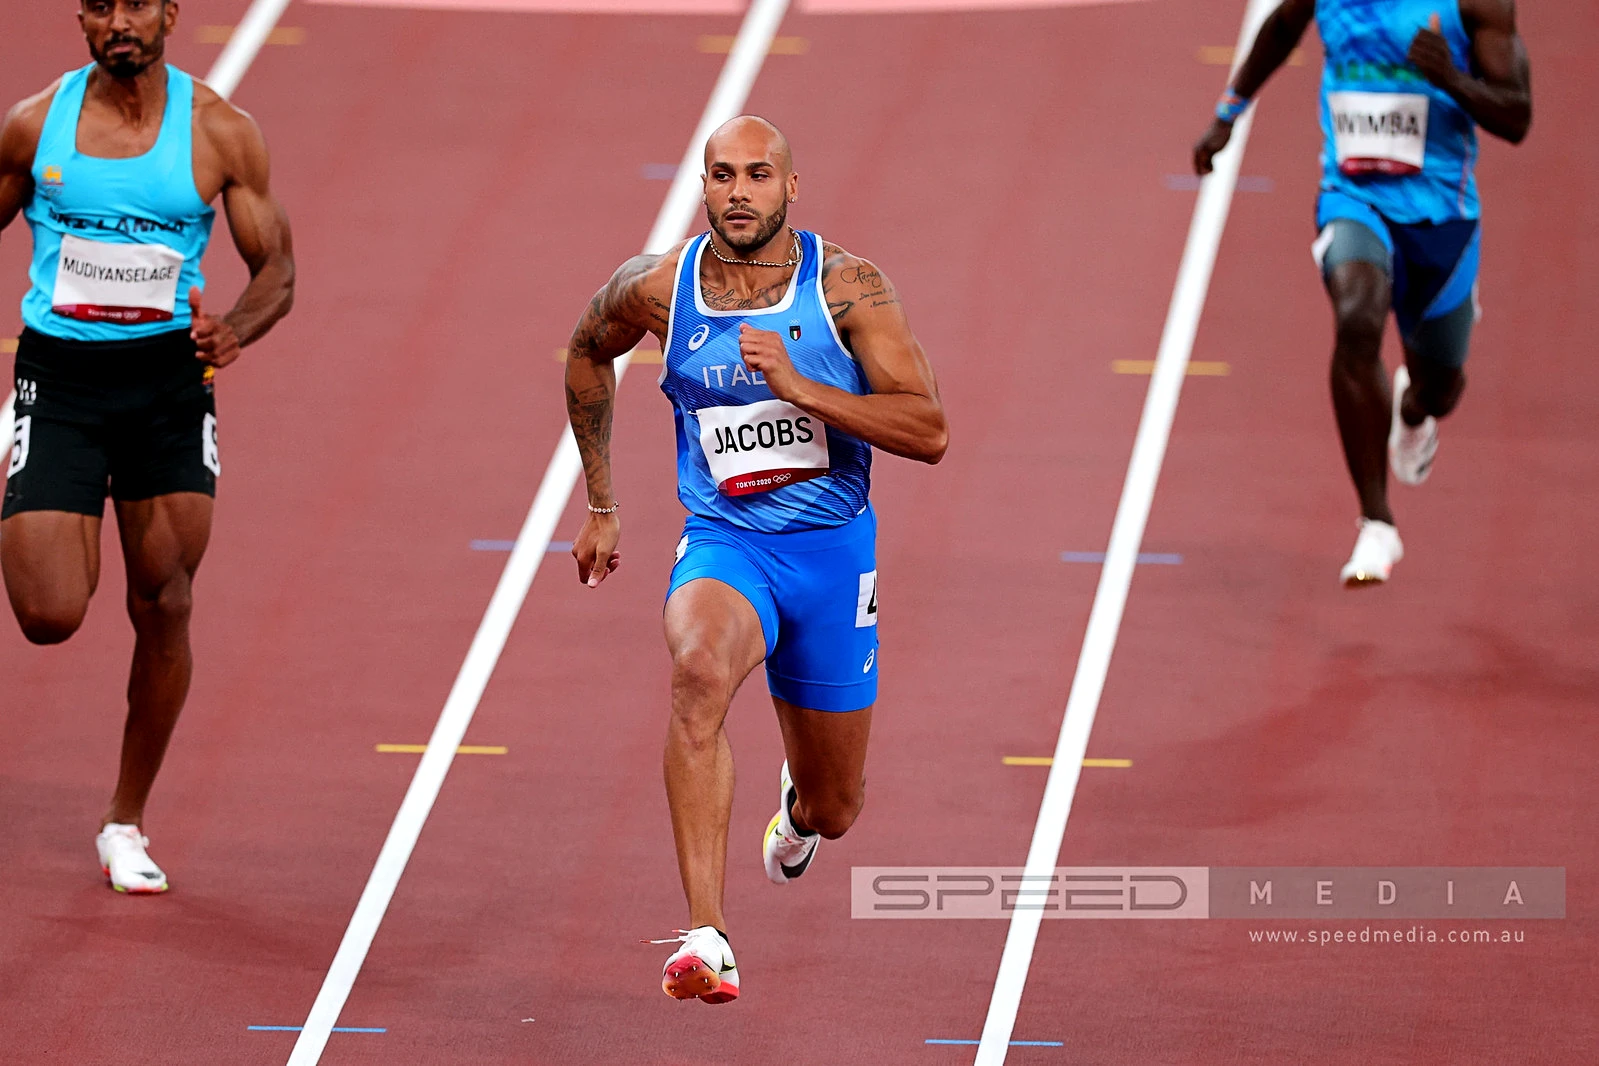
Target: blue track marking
1146,558
297,1028
1013,1043
507,545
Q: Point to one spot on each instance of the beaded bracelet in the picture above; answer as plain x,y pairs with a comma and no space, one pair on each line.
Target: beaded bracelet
604,510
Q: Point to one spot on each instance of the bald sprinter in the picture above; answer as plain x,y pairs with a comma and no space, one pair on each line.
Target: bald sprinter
787,362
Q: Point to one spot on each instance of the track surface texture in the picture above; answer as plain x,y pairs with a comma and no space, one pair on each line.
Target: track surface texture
460,183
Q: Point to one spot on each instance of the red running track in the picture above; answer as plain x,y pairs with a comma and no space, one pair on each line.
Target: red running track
999,167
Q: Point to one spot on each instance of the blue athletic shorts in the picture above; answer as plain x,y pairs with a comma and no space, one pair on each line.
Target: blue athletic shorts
1432,268
816,594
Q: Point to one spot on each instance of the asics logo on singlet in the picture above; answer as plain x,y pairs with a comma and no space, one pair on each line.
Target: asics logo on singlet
698,338
27,391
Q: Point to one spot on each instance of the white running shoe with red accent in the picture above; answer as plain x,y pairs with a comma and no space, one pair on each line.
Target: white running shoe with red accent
1377,549
703,968
124,862
786,851
1410,448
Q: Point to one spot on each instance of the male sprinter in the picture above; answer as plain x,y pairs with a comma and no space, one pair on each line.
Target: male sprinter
786,360
113,166
1405,85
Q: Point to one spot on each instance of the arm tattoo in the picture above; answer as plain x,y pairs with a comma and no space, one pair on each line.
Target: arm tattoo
850,283
590,413
874,289
615,320
658,310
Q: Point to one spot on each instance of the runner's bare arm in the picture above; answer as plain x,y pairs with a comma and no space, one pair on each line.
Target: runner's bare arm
1497,91
19,141
260,229
614,322
903,414
634,302
1278,37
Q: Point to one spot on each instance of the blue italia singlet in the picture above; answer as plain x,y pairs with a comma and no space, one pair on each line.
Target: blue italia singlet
1391,138
116,242
743,455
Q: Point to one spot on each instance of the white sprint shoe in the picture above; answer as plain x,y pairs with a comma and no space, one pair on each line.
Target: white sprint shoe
1377,549
124,862
703,968
785,850
1410,448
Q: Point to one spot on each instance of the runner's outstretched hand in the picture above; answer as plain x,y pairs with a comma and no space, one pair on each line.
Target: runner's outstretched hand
595,541
218,344
1214,140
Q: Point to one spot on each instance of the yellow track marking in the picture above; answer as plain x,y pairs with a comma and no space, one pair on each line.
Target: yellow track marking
8,345
464,749
1198,368
223,34
1221,55
644,356
718,45
1046,760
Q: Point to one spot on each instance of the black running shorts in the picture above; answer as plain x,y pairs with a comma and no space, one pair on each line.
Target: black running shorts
130,419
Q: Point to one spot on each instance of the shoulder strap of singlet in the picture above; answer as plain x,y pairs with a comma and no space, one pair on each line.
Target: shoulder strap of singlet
811,261
59,137
687,276
177,124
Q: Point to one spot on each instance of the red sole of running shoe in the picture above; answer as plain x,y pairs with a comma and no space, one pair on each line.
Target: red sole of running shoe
690,978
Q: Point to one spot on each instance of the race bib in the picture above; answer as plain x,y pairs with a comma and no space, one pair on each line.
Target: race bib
759,447
127,284
1379,133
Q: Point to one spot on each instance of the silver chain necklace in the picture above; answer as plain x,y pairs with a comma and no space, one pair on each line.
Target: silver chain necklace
798,254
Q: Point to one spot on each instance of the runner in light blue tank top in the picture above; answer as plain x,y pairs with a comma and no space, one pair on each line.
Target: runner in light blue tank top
787,360
114,167
133,230
1404,87
1391,138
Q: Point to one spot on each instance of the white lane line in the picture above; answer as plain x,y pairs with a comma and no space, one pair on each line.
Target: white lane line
243,46
560,477
225,75
1126,535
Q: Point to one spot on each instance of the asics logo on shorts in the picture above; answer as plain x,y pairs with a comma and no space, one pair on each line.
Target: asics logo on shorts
871,657
27,391
698,337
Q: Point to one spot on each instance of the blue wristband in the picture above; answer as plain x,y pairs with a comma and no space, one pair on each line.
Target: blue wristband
1230,106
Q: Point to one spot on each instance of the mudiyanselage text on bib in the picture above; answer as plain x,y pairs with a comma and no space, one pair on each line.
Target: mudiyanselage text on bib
1391,138
117,243
743,455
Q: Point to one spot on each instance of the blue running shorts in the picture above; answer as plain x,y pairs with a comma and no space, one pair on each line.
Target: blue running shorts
816,594
1432,267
